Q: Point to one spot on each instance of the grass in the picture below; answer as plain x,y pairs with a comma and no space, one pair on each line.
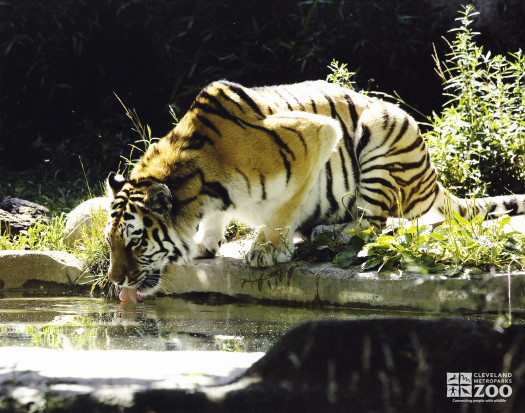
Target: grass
40,237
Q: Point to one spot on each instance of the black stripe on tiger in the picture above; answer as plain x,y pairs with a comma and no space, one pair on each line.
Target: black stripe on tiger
417,202
274,135
217,109
239,91
229,99
333,112
417,144
216,190
511,206
314,107
378,191
290,107
287,166
209,188
364,139
348,141
127,216
299,103
401,133
300,136
334,205
492,207
343,167
390,132
379,181
248,184
397,166
385,117
351,110
262,180
423,185
209,124
197,141
373,201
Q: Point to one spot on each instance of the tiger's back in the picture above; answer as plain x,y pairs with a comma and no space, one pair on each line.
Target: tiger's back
285,158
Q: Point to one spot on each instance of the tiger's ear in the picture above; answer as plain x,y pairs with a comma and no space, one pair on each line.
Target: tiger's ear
114,183
158,199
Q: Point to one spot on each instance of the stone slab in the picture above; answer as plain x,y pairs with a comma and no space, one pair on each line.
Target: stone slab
306,283
30,375
19,267
295,283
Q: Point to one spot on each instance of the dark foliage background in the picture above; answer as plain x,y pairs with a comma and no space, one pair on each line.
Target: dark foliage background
63,59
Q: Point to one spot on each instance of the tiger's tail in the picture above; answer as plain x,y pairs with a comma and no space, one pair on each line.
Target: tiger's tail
490,207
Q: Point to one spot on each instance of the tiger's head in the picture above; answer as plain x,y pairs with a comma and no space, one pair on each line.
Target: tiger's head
142,233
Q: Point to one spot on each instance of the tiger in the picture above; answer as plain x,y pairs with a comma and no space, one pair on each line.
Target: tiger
286,159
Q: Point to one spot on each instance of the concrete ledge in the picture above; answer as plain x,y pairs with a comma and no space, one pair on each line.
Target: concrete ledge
306,283
295,283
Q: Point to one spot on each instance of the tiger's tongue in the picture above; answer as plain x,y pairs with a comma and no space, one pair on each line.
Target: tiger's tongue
130,294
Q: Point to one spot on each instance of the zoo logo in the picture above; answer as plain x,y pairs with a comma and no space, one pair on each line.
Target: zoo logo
479,385
459,384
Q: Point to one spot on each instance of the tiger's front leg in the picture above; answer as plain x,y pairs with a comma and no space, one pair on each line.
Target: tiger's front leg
210,235
273,245
315,137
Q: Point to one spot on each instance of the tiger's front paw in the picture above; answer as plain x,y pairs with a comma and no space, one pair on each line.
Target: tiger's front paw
267,255
204,253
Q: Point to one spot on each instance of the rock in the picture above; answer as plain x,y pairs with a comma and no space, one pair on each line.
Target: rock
22,207
19,215
26,268
390,365
381,365
13,224
82,218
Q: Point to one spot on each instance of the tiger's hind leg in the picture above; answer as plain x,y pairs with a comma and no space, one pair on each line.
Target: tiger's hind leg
395,177
343,232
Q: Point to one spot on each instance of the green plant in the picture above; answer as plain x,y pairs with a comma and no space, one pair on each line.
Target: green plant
236,229
39,237
341,75
478,141
142,144
94,253
459,245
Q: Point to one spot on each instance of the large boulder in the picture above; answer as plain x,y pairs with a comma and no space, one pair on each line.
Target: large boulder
388,365
84,217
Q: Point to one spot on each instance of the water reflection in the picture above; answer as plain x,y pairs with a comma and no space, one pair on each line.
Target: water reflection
165,324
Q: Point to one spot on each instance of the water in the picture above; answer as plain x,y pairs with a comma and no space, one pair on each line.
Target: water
165,324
